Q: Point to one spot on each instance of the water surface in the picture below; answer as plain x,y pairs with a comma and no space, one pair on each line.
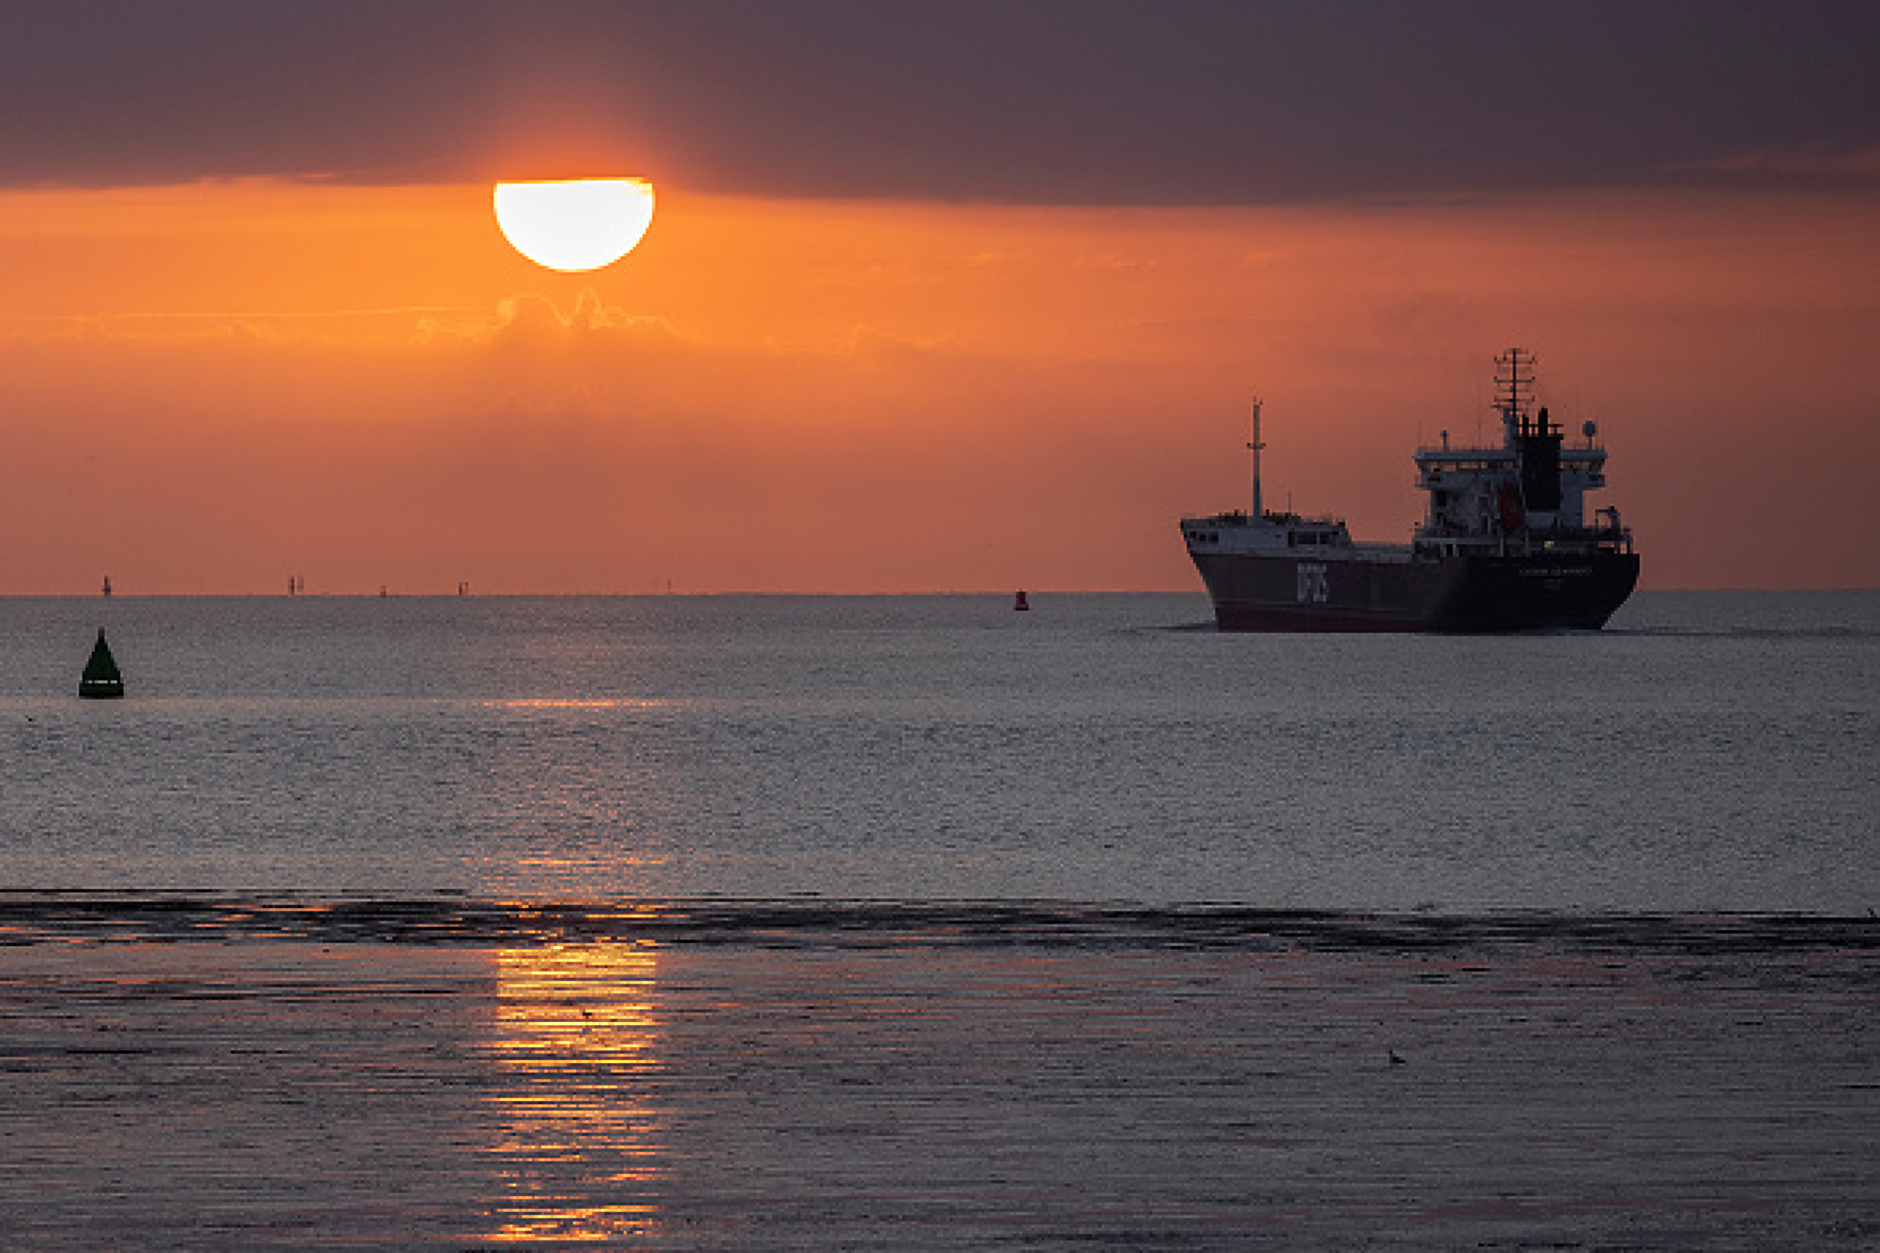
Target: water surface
887,923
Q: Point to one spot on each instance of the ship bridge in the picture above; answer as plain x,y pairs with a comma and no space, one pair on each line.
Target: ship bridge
1528,492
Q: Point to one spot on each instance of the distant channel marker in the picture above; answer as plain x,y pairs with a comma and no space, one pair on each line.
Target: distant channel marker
101,680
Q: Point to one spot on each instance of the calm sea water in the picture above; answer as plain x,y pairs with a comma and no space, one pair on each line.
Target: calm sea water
916,922
1709,752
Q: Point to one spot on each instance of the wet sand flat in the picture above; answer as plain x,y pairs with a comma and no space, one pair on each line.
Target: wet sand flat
921,1088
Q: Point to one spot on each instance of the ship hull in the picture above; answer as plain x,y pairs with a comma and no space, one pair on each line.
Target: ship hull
1535,592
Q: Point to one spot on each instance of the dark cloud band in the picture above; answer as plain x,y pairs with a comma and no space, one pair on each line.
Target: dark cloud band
1050,101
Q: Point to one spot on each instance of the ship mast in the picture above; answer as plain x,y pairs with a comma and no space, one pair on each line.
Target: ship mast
1514,381
1254,446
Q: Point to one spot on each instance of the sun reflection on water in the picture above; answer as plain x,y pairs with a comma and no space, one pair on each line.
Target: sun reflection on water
576,1045
564,702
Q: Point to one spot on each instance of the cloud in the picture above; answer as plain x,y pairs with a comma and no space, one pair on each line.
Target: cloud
355,327
530,315
1815,163
1050,102
876,344
519,320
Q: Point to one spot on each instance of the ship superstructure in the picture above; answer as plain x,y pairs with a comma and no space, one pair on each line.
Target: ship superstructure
1504,544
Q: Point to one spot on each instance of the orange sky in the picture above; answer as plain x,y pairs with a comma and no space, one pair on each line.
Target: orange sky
208,388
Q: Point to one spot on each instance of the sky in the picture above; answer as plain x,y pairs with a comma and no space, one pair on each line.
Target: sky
938,296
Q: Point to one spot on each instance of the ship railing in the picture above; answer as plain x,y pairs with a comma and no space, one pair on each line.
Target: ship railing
1580,538
1236,517
1288,518
1240,517
1453,545
1383,554
1575,539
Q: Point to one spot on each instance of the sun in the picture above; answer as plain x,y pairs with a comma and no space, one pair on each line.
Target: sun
575,224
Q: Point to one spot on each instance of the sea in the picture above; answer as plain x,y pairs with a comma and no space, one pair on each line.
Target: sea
916,922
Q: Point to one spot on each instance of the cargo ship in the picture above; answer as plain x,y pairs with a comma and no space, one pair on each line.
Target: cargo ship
1504,545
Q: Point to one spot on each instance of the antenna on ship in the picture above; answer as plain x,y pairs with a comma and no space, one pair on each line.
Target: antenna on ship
1254,446
1514,384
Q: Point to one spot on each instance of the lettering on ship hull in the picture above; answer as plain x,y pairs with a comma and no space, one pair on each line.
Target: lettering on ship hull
1314,583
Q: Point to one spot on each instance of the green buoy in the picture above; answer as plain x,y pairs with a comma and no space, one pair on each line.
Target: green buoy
102,680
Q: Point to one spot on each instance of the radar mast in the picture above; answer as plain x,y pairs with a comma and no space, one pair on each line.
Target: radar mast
1254,446
1514,391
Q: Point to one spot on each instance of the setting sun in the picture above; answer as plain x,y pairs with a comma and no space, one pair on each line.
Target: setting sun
575,224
